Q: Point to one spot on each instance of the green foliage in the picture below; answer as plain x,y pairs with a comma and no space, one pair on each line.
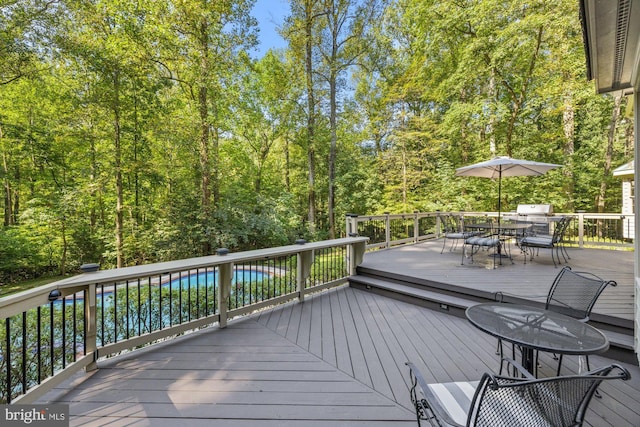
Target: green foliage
155,117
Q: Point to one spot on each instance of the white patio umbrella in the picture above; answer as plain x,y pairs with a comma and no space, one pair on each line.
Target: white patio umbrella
505,166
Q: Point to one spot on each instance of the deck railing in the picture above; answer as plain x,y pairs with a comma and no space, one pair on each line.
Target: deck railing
49,333
586,230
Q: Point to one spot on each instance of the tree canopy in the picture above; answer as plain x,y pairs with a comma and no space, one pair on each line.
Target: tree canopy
138,132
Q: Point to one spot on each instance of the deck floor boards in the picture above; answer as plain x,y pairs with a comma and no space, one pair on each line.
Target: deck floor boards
532,280
338,359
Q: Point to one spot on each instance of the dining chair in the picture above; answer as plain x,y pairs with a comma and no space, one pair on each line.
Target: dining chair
496,401
454,231
532,243
572,293
472,245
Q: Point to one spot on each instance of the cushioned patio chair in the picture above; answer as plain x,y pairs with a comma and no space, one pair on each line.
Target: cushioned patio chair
508,401
529,244
454,231
487,241
572,293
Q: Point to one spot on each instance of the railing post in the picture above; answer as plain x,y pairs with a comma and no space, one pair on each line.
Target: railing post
416,227
438,229
303,271
91,333
387,230
225,274
356,255
351,225
580,229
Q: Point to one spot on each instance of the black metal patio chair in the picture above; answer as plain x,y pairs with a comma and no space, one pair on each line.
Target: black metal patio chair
496,401
487,240
572,293
454,231
531,244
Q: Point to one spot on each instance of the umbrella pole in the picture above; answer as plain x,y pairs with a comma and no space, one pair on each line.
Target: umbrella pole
499,195
499,212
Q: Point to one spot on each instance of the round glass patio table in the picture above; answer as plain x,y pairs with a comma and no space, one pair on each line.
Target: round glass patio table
534,328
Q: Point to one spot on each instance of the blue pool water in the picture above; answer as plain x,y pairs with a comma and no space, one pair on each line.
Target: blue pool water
193,281
210,277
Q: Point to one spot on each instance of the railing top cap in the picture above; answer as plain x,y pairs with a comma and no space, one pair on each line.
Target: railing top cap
103,276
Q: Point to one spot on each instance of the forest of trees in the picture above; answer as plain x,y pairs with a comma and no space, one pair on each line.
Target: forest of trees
141,131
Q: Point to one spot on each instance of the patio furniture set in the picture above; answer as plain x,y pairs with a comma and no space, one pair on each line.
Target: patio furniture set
520,397
529,236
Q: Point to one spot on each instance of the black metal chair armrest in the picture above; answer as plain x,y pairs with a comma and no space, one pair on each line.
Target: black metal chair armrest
420,381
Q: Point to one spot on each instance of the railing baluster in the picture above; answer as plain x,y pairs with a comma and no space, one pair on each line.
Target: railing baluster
51,338
24,352
8,358
189,297
75,329
39,333
139,309
126,302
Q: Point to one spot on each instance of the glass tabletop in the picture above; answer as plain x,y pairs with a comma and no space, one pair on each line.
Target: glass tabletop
537,328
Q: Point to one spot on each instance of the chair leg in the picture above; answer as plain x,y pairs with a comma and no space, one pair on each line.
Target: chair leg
559,365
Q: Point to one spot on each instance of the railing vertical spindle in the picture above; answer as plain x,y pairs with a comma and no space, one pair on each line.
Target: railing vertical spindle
115,312
189,297
102,315
7,324
150,305
170,301
139,309
75,328
160,302
180,297
52,338
64,332
127,314
39,351
24,352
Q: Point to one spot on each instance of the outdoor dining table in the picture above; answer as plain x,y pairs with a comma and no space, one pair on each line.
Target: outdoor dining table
502,228
533,328
505,231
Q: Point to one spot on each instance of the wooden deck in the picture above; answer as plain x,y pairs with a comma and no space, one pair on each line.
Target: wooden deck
423,263
335,360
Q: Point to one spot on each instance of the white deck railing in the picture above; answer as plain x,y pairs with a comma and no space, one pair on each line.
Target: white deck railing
49,333
606,230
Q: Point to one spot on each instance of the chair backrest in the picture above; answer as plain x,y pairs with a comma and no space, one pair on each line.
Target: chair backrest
575,293
452,223
555,401
561,228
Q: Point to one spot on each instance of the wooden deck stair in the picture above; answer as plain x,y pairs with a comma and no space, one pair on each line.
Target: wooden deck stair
454,300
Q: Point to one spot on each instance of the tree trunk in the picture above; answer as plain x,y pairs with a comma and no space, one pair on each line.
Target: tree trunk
606,173
493,149
568,124
332,155
6,186
205,164
118,171
311,155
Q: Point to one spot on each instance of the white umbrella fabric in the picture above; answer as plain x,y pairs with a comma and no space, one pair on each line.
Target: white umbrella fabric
505,166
